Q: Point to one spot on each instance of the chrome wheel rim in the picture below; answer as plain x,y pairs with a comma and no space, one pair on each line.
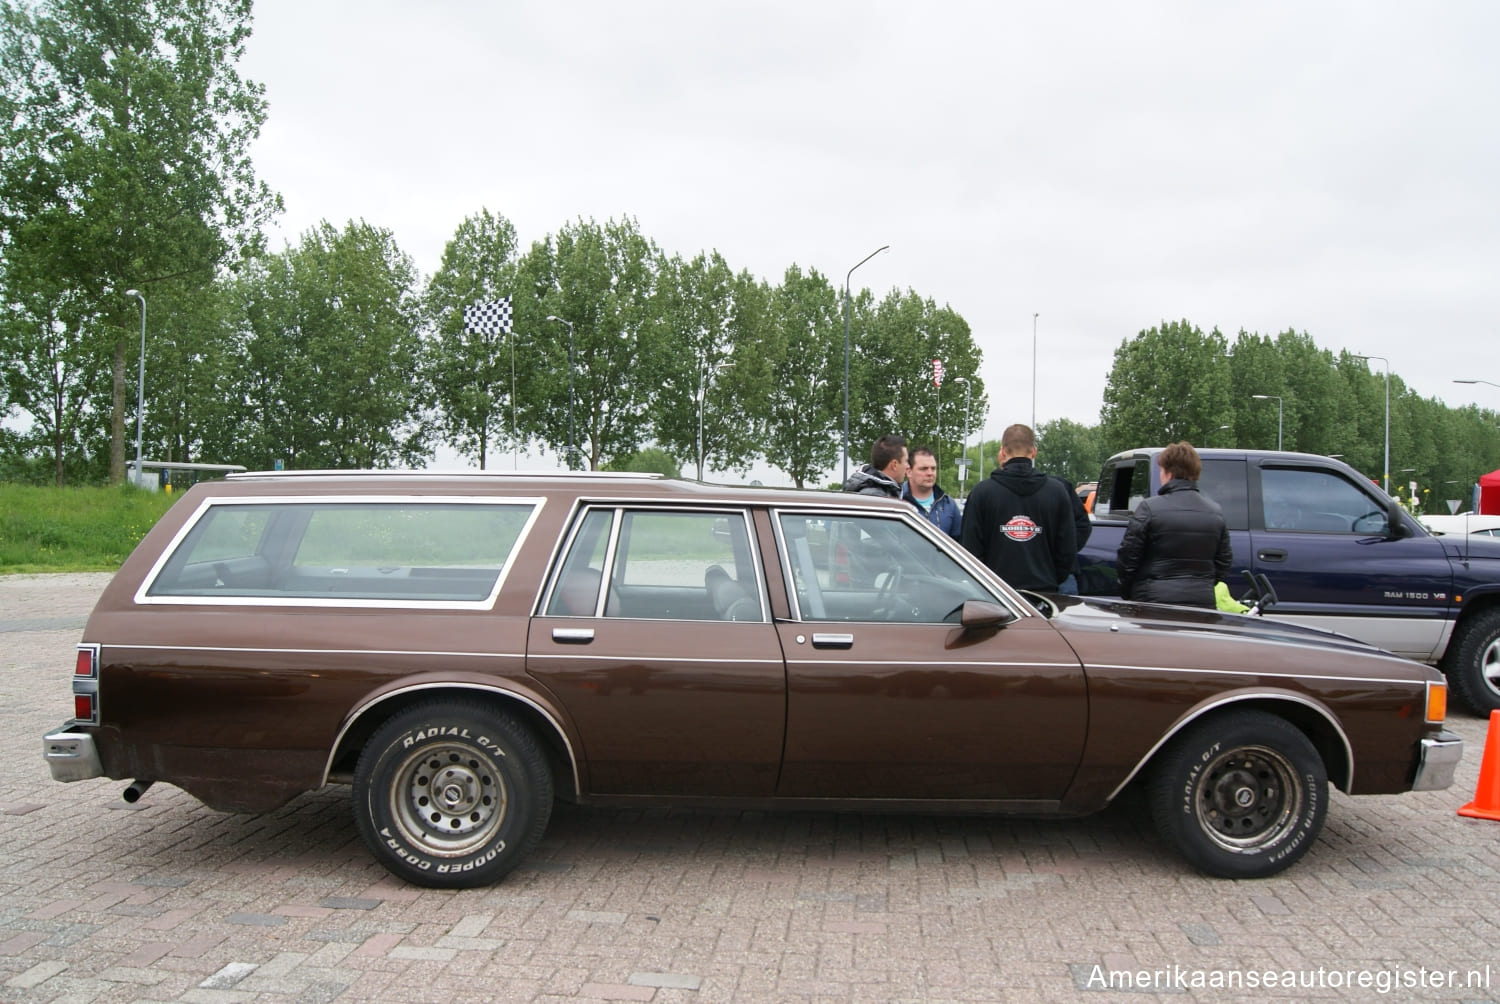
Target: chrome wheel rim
1489,664
1247,798
448,799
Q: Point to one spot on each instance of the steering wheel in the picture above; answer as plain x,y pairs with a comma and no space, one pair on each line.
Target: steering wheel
885,598
1372,514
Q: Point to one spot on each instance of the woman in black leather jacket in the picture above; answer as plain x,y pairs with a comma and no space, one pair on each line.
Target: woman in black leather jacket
1177,544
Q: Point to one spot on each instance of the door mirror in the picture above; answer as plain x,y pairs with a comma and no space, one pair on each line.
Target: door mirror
984,614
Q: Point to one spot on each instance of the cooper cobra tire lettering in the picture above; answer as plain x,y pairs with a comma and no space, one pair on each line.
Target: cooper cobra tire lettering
452,793
1242,794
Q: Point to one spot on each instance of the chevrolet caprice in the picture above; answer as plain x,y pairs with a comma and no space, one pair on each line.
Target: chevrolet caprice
463,649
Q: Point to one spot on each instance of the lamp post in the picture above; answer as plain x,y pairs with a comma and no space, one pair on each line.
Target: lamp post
1222,428
963,469
140,386
1033,371
515,445
559,320
1387,418
1269,397
703,376
847,277
1485,382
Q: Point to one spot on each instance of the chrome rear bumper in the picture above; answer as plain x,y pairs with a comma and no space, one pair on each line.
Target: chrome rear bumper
71,756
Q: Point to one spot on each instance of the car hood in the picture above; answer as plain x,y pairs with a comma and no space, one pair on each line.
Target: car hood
1093,614
1471,546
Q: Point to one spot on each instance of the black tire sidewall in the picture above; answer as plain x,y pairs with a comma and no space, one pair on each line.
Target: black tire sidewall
1177,781
1465,668
493,735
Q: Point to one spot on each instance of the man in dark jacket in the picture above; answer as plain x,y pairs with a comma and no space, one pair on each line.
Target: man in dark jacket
1083,527
923,491
885,471
1176,546
1019,521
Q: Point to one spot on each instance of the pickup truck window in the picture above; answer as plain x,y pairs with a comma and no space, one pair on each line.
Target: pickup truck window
1224,482
1317,501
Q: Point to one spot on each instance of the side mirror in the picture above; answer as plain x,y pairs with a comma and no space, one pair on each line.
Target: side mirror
977,614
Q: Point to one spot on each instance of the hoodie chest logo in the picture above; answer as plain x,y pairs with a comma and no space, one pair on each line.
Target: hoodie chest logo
1020,528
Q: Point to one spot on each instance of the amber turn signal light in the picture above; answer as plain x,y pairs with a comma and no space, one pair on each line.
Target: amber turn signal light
1437,702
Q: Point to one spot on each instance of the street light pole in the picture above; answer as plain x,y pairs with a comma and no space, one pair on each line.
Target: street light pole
1485,382
559,320
847,277
515,444
1033,371
964,468
703,375
140,386
1268,397
1387,418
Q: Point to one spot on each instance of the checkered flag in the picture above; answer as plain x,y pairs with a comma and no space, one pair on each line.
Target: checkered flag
488,318
937,373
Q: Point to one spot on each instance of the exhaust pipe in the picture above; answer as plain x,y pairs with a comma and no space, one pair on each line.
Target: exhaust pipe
137,788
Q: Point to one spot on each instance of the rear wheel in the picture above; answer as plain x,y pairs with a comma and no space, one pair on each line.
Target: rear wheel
1472,662
1240,795
451,794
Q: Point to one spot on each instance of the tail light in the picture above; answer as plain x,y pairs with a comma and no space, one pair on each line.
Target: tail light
86,685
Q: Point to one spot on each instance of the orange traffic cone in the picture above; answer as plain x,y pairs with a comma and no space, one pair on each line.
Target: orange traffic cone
1486,804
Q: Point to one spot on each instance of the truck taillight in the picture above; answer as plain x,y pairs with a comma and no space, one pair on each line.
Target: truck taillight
86,685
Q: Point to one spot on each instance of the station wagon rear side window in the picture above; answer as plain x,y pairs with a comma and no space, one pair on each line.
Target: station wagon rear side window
338,551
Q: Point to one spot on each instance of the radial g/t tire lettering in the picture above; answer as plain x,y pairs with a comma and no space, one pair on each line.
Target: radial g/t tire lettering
1240,795
452,794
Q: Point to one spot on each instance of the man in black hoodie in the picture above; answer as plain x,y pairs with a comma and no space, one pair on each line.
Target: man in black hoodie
1019,521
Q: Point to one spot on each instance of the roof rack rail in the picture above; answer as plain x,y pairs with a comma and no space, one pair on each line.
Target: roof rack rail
400,473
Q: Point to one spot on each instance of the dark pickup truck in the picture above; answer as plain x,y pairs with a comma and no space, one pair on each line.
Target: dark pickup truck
1341,554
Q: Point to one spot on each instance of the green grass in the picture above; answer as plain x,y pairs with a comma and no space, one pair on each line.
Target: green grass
74,529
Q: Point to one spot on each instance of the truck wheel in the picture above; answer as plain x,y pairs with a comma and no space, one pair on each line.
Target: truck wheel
1240,795
451,794
1472,662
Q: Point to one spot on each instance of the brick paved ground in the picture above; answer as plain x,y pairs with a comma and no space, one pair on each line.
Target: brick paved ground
168,901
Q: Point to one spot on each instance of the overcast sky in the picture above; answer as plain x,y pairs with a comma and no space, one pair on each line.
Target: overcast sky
1328,167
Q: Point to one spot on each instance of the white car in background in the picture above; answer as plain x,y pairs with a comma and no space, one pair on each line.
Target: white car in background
1467,522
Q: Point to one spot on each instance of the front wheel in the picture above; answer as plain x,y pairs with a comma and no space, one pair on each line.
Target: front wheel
1472,662
1242,795
451,794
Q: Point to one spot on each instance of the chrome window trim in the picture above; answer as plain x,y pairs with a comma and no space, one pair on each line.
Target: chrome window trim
141,598
618,510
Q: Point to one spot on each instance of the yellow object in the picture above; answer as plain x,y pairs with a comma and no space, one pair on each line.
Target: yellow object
1226,603
1437,702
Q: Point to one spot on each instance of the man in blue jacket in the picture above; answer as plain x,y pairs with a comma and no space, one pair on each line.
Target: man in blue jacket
922,491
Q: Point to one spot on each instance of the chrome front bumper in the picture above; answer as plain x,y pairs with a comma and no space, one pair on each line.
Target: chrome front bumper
71,756
1437,759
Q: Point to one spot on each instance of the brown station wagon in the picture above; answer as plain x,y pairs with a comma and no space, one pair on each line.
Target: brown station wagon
463,649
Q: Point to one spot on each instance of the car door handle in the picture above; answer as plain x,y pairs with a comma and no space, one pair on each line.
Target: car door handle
572,636
833,640
1271,554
